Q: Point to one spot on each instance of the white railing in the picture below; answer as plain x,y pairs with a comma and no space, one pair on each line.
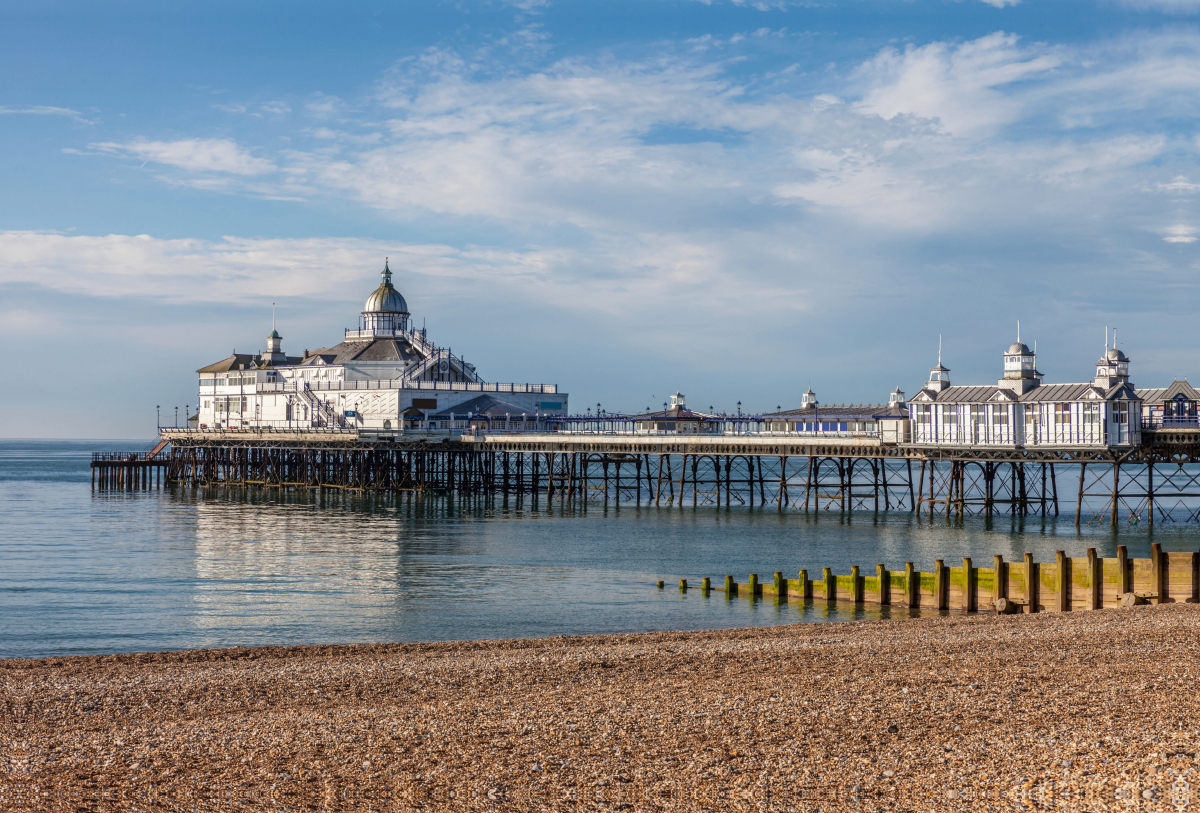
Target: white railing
400,384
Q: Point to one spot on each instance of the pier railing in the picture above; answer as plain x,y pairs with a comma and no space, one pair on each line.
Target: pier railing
391,384
129,457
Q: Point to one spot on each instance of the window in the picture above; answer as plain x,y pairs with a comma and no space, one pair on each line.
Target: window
1062,414
1000,416
977,414
1121,412
1091,413
950,414
924,413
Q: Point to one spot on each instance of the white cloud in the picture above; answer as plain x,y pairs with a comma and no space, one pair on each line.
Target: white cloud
962,86
192,154
1001,3
44,110
671,195
1180,234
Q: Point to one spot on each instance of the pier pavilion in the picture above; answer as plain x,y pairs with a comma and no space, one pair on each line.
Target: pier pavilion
386,375
386,410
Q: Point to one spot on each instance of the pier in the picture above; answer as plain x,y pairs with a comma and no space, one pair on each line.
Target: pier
143,469
1150,482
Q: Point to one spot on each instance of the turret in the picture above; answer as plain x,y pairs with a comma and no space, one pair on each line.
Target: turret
385,311
1112,369
1020,368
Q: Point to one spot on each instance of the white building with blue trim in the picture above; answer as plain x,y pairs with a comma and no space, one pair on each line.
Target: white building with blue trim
1021,411
386,375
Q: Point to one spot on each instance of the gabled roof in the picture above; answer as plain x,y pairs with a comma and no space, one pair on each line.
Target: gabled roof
245,361
485,405
974,395
366,350
1161,394
1046,392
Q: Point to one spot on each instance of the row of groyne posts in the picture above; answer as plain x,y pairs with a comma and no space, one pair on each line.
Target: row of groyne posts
1069,583
1151,485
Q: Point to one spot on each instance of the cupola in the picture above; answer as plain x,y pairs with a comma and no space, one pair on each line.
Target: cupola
1113,367
385,311
1020,367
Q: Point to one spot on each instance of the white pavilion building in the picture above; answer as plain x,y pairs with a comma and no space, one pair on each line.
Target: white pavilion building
1019,410
386,375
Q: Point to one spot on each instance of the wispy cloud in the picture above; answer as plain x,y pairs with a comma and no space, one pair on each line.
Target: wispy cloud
192,154
677,184
1180,234
44,110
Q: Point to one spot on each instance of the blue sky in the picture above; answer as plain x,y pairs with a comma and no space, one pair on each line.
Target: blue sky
736,199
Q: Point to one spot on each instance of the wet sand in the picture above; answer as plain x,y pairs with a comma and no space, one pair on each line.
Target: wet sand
1076,711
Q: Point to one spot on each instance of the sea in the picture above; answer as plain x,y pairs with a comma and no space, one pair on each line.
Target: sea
85,571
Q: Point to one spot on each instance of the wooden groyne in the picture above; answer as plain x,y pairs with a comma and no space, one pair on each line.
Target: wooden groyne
1067,584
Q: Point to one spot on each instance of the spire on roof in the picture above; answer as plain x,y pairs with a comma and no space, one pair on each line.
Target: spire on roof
387,272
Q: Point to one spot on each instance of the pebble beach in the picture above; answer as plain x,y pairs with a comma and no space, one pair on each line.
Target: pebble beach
1089,711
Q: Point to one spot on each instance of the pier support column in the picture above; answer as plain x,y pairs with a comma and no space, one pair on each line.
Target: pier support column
1116,493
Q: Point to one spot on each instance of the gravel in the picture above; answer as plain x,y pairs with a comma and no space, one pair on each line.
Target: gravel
1088,711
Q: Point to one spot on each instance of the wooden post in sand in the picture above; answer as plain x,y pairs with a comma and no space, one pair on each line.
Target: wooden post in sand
1124,575
730,587
912,586
1095,580
683,585
781,587
1158,581
830,585
970,587
939,585
856,585
705,585
805,586
1062,596
1031,585
885,585
753,586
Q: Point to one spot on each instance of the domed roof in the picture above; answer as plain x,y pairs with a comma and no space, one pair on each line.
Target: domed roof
1113,354
274,334
385,298
1019,349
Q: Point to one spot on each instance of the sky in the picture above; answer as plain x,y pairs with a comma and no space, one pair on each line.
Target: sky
737,199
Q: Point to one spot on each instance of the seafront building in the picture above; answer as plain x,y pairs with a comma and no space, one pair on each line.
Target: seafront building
386,375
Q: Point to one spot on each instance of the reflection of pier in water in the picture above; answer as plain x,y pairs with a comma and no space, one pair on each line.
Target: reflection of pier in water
1152,482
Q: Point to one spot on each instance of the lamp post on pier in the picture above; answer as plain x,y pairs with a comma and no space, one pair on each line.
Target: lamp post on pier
176,417
158,415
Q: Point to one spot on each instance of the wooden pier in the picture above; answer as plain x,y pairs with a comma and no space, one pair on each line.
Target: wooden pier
131,469
1069,583
1151,483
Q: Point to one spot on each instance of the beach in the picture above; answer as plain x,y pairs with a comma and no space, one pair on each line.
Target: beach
1072,711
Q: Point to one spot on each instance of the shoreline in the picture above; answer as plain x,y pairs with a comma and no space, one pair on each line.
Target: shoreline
1078,710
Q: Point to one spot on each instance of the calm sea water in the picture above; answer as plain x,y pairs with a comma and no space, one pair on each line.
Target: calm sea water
85,571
